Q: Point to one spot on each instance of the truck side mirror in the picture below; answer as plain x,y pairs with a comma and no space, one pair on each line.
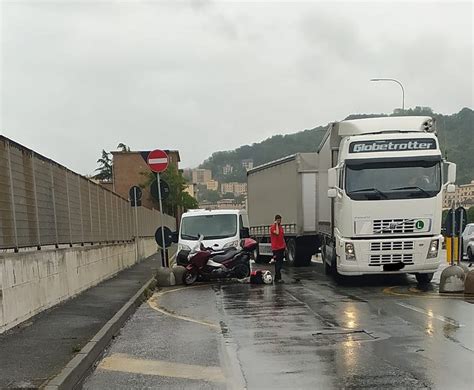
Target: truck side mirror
332,193
451,188
451,173
332,178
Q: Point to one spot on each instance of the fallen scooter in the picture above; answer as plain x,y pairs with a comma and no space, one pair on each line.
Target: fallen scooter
207,264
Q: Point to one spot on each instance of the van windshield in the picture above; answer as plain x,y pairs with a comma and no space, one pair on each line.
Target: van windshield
210,226
393,180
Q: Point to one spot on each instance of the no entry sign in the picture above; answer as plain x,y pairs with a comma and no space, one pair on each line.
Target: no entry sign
158,161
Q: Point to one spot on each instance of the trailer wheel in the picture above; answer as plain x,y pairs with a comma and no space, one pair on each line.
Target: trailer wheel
305,255
290,254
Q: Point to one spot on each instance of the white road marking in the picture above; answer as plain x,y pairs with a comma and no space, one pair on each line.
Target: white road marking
124,363
430,314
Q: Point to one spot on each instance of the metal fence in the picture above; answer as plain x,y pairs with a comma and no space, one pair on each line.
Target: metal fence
43,203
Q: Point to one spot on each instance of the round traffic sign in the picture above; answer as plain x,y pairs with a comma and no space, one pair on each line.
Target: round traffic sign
158,161
135,193
168,237
165,189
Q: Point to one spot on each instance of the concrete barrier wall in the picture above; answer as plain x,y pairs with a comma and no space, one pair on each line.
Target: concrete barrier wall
31,282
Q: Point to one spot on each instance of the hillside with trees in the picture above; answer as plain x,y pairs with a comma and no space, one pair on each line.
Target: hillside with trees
455,132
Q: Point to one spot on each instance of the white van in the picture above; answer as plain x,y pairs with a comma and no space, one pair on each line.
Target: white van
221,228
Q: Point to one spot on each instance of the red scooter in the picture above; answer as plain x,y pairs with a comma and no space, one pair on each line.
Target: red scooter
206,264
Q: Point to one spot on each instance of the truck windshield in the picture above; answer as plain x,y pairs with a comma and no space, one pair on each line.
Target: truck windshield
393,180
210,226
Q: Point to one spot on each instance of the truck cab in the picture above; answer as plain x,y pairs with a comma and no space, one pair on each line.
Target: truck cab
221,229
386,178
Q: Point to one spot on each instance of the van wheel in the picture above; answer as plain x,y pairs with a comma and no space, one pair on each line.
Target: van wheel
290,253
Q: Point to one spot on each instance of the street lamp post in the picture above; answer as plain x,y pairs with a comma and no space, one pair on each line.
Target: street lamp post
401,86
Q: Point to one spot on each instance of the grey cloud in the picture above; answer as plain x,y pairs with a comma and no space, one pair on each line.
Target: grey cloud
206,76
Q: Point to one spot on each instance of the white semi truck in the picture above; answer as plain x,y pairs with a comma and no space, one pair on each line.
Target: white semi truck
370,198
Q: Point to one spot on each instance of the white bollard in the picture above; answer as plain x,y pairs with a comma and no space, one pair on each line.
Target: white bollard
165,277
452,280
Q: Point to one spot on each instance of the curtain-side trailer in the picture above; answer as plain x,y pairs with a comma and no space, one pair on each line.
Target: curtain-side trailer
286,187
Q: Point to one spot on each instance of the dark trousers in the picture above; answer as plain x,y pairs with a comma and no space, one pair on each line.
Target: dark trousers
279,255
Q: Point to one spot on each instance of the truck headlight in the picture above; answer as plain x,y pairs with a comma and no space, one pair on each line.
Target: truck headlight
231,244
350,251
433,250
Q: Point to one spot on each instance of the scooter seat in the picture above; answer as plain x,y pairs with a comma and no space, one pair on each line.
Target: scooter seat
225,256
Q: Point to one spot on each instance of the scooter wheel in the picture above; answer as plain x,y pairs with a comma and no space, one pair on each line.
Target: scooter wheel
189,277
241,271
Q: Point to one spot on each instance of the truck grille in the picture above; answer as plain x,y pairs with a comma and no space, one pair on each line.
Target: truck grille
391,246
393,226
388,258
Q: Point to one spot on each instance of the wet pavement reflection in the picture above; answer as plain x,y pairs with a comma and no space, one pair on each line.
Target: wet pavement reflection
314,333
378,332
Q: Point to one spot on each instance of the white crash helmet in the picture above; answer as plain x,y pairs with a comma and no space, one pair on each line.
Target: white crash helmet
267,277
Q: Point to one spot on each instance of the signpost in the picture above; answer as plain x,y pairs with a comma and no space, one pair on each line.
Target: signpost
158,162
168,237
165,190
135,194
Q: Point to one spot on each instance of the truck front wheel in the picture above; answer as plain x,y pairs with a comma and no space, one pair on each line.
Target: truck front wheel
424,278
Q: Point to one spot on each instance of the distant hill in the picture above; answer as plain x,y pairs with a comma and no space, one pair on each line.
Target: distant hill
455,132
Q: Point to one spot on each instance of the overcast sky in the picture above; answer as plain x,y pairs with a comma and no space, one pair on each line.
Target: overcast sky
201,76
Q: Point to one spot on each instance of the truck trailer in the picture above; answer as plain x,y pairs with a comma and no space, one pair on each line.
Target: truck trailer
369,198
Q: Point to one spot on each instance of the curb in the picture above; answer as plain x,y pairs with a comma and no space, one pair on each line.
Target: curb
77,368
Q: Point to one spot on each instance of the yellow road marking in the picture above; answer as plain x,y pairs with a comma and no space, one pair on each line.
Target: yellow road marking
153,302
418,293
124,363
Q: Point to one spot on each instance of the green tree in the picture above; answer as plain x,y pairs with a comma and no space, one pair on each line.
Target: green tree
123,147
188,202
105,167
178,198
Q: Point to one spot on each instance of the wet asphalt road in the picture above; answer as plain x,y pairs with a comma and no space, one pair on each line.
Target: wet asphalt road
310,333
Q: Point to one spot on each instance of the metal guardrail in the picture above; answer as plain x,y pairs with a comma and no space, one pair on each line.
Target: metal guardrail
43,203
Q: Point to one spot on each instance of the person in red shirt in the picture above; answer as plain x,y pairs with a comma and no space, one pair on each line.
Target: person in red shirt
277,236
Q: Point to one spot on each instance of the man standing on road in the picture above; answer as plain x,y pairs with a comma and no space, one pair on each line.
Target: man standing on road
277,236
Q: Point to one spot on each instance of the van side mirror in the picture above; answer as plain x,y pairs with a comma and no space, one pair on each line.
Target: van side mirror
245,232
332,178
451,173
175,237
332,193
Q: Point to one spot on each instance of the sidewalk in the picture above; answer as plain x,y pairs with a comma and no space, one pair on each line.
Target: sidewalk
38,349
